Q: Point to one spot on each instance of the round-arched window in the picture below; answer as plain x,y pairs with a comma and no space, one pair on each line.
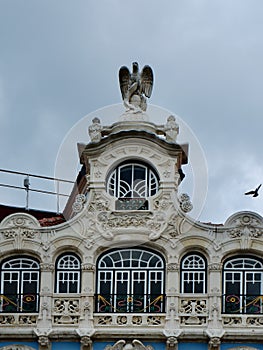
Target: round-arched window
132,183
130,280
243,285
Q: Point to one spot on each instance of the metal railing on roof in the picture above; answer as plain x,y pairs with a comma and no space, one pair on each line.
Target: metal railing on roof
26,186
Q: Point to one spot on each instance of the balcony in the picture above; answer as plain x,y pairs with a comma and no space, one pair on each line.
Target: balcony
132,303
242,304
19,303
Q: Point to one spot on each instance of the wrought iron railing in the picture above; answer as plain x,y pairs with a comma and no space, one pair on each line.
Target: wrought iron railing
11,303
132,303
132,204
242,304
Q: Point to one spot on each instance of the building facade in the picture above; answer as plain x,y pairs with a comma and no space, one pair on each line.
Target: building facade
129,269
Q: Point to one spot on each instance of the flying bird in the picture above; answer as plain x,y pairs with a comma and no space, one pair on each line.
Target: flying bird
254,193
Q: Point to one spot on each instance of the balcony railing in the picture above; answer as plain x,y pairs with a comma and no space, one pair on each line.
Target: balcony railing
133,303
132,204
23,303
242,304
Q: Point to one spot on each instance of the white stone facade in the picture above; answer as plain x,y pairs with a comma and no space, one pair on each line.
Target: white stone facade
164,227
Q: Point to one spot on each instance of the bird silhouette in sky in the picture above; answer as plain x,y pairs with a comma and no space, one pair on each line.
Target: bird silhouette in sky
254,193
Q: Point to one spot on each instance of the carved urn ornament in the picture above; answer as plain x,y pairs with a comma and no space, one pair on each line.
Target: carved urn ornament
135,86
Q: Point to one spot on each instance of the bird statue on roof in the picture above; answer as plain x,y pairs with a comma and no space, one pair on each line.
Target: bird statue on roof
254,193
135,86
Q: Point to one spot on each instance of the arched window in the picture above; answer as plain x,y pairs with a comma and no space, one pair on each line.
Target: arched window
193,274
68,272
130,280
243,285
19,285
132,184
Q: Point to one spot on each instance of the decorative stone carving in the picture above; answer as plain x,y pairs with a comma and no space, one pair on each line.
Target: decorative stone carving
18,227
193,306
66,311
88,267
245,224
19,220
243,348
137,320
215,267
232,321
154,320
86,342
214,343
105,320
171,343
193,311
123,345
110,222
78,205
185,203
173,267
254,321
98,203
43,341
27,319
135,86
95,130
171,129
49,267
16,347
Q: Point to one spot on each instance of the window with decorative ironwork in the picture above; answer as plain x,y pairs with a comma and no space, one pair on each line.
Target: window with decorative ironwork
193,274
130,280
132,184
243,285
68,273
19,285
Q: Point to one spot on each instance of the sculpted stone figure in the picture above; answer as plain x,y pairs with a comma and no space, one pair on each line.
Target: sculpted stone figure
135,86
95,130
171,129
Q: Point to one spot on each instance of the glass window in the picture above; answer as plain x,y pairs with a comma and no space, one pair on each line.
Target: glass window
193,274
132,184
242,285
130,280
68,273
19,285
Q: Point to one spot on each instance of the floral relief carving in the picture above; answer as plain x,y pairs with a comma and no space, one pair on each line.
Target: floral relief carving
185,203
108,222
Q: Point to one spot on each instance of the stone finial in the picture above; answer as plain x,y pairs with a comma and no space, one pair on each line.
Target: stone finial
171,129
95,130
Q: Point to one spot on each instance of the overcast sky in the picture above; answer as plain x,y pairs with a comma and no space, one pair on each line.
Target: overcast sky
59,62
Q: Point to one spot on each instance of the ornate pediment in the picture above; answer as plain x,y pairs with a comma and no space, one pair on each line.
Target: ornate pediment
245,224
19,224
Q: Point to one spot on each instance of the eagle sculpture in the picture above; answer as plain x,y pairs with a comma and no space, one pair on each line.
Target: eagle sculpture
135,86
